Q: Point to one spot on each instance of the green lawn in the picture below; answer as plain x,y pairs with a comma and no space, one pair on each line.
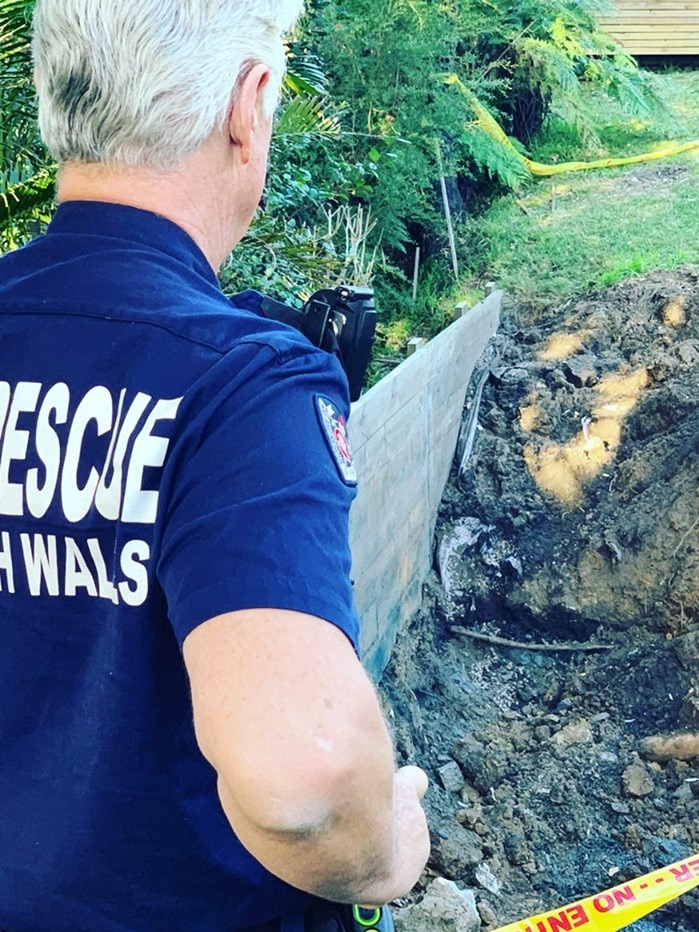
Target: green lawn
563,235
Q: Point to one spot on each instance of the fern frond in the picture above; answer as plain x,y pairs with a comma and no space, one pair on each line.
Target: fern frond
498,161
551,68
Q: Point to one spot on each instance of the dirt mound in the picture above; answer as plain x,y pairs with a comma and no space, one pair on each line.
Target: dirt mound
569,540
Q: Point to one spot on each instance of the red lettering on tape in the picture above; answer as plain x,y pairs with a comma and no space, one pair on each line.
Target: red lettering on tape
560,923
578,915
623,895
681,873
604,903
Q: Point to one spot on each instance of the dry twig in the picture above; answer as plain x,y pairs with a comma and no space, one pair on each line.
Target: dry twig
522,645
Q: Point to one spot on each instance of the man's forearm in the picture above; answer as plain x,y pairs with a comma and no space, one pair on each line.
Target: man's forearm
292,725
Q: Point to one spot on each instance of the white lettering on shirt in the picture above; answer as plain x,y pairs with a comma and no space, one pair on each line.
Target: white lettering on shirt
77,575
108,498
120,483
85,459
149,449
95,406
106,588
135,572
6,565
14,446
64,566
48,447
41,562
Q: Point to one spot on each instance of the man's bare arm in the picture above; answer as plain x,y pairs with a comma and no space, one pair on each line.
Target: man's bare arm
287,716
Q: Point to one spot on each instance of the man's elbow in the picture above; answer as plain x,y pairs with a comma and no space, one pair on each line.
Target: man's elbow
315,833
309,797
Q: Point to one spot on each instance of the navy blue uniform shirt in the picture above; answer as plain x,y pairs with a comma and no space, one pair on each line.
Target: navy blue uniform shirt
166,455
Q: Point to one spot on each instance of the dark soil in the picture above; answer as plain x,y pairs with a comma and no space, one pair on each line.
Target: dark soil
574,523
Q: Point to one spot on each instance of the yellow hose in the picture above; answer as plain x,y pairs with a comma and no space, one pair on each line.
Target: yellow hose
489,125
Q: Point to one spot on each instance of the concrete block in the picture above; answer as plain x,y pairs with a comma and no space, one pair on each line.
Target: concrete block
415,344
403,434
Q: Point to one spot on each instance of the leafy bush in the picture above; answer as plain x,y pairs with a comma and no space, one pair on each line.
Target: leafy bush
366,109
26,177
541,56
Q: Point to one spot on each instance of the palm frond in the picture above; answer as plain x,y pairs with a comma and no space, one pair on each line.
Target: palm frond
20,148
21,200
307,116
15,19
305,74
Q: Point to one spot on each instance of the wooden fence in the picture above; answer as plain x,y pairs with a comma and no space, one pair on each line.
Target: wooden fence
655,27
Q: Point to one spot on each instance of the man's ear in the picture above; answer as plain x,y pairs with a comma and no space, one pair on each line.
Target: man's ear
248,112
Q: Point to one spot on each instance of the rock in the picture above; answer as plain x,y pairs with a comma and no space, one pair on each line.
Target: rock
619,807
469,816
451,777
575,733
487,879
488,915
686,647
684,793
456,854
674,313
463,535
670,747
484,769
516,848
580,371
672,849
692,908
636,781
633,838
470,754
689,712
662,367
444,908
689,352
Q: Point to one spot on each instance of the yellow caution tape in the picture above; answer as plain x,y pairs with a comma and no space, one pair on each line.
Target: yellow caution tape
489,125
619,906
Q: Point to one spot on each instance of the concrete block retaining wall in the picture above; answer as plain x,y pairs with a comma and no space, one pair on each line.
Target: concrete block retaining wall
403,433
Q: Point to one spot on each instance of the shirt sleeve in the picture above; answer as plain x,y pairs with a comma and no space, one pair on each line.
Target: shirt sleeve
259,486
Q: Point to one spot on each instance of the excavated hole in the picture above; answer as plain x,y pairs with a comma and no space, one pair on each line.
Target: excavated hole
576,520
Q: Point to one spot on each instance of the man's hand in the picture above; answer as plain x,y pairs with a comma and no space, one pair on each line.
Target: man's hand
411,842
290,721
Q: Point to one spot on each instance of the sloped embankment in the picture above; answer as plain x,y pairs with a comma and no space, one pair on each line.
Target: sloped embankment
574,524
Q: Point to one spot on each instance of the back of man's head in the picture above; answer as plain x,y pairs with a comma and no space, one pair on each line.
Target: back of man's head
145,82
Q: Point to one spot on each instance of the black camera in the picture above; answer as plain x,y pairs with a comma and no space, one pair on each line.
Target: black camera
339,320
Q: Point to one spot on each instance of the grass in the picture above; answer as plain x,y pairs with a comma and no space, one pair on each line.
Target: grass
574,232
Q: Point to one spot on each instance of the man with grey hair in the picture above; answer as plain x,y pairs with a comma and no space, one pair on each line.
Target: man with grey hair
187,739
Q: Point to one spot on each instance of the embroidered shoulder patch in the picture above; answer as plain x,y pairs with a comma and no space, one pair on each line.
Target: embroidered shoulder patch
335,431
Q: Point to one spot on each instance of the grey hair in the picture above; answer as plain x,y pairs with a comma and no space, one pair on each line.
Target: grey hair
145,82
